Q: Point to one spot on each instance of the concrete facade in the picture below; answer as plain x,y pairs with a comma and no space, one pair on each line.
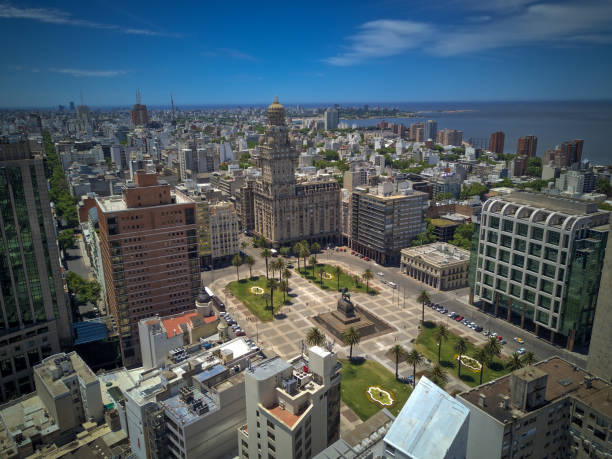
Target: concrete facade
439,265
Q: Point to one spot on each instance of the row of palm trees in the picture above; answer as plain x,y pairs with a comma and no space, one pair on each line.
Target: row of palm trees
350,337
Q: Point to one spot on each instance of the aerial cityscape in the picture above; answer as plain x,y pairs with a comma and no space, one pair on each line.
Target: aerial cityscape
306,231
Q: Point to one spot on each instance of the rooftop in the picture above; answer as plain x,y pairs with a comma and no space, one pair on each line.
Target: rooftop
428,423
269,368
116,203
172,324
555,203
53,370
438,253
563,379
285,416
186,412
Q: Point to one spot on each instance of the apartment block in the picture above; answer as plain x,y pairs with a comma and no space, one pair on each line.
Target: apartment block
537,259
35,319
548,410
149,245
527,146
293,408
224,231
384,221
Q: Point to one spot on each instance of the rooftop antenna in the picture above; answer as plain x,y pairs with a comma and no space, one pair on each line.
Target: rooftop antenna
138,98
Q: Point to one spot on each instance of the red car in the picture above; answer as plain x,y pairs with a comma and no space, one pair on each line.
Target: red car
366,259
499,338
459,318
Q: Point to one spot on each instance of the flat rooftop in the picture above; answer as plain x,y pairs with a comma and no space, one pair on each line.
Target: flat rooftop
269,368
116,203
428,423
563,379
555,203
184,412
53,370
439,254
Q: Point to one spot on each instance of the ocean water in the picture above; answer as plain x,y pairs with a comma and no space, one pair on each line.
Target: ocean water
552,122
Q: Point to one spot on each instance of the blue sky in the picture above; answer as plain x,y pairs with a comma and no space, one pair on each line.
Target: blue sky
309,52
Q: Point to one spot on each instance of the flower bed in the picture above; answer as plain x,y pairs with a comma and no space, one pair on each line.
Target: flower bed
379,395
255,290
469,362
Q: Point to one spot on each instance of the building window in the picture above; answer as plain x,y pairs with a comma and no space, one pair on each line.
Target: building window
508,226
551,254
553,237
494,222
519,260
537,234
533,265
504,255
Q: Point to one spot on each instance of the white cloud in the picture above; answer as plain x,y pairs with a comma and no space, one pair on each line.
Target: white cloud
55,16
553,24
89,73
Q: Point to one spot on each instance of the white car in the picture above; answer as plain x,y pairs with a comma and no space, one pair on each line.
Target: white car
392,285
380,273
521,351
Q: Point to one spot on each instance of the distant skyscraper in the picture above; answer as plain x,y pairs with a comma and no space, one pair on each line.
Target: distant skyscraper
413,131
527,146
431,130
34,317
149,246
450,137
71,106
566,154
331,118
496,142
140,116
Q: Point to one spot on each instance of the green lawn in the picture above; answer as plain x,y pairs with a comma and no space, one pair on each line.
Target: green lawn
358,376
332,284
428,346
256,303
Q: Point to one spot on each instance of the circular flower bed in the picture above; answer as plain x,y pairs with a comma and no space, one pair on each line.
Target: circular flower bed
380,396
469,362
257,290
327,276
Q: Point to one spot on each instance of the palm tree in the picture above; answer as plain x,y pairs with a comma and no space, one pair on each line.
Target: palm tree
493,348
515,362
243,245
441,334
249,261
351,337
272,284
267,297
237,262
286,276
283,286
321,271
483,357
461,347
529,358
414,358
356,280
304,253
338,273
280,267
439,376
367,277
423,298
266,253
312,261
398,352
315,248
296,251
314,337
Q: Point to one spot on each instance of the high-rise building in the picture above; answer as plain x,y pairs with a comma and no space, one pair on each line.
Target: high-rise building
286,212
450,137
566,154
527,146
384,221
149,245
496,142
519,165
432,423
140,116
293,408
598,362
539,258
331,118
35,320
224,231
550,409
431,130
414,127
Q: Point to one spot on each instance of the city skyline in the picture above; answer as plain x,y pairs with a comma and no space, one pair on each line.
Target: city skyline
460,52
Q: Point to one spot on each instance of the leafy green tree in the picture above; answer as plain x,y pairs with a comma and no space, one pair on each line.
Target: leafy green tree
443,196
367,277
474,189
463,236
398,352
603,186
237,262
314,337
461,347
423,298
441,334
351,338
534,167
66,239
515,362
330,155
414,358
284,251
85,291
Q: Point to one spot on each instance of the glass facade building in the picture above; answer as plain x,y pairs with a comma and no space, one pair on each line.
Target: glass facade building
537,260
34,317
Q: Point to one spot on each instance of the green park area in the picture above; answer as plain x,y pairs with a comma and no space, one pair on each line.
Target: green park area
326,277
254,294
360,375
427,344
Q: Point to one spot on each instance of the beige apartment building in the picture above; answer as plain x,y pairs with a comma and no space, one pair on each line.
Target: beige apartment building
286,211
224,230
292,408
439,265
149,246
552,409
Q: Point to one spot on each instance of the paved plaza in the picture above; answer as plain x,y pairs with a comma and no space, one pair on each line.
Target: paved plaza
285,335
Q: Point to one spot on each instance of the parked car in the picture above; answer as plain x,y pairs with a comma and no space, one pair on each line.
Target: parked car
459,318
518,340
380,273
392,285
499,338
493,335
521,351
240,333
486,333
444,311
478,328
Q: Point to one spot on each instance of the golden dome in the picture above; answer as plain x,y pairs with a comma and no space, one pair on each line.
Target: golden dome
276,113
